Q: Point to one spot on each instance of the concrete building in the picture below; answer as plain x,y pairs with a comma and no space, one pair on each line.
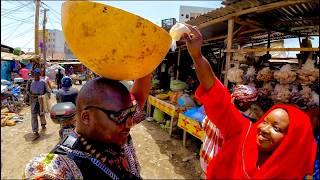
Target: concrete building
55,44
187,13
68,53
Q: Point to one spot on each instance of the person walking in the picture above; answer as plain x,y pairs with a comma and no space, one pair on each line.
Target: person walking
37,88
59,77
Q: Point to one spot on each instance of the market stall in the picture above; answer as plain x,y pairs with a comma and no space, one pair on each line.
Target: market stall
163,106
191,126
251,53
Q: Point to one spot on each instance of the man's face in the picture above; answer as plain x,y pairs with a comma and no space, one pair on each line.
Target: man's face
272,130
37,77
102,128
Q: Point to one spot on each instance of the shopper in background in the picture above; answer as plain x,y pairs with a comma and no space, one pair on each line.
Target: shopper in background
45,78
37,88
24,73
67,93
59,77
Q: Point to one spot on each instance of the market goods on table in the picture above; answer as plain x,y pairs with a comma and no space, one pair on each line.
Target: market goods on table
308,73
285,75
281,93
245,93
265,74
177,85
266,89
306,94
174,96
235,74
162,96
111,42
250,74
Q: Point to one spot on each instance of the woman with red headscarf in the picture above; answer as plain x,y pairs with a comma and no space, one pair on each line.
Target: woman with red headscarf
278,145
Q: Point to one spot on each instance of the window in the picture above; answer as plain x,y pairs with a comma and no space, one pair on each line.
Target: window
187,16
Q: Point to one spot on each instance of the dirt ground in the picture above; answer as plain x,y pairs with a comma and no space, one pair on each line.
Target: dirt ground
160,156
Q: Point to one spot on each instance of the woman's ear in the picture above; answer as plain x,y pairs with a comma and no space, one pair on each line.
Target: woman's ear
85,117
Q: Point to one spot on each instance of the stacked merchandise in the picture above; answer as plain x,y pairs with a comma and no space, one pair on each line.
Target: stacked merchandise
285,85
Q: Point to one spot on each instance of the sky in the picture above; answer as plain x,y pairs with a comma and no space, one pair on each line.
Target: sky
20,33
17,18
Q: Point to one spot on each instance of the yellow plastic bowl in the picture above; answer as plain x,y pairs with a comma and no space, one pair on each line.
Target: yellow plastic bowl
111,42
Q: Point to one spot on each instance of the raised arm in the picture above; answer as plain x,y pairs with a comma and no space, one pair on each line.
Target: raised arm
203,69
211,93
140,89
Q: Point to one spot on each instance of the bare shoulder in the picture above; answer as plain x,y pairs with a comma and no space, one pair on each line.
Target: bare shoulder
52,166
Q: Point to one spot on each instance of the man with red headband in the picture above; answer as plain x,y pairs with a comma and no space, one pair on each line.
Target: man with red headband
101,146
280,145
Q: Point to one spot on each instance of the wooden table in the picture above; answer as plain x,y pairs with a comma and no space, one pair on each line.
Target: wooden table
191,126
165,107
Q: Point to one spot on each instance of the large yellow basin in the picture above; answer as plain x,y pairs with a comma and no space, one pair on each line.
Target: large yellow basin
111,42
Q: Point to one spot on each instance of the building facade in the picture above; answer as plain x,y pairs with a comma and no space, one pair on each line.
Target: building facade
187,13
55,45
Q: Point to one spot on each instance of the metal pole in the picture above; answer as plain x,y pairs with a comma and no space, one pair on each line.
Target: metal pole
36,28
268,46
178,64
44,35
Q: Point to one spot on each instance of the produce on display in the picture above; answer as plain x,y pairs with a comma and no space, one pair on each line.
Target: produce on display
265,75
306,94
281,93
250,74
240,57
315,99
162,96
177,85
285,75
266,89
295,95
173,96
120,50
308,73
245,93
235,74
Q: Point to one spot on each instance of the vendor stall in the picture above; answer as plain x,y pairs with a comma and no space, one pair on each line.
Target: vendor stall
190,126
164,106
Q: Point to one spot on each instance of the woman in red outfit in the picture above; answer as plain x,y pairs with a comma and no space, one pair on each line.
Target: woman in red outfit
279,145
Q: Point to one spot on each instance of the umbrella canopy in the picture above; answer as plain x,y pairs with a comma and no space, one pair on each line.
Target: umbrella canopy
9,56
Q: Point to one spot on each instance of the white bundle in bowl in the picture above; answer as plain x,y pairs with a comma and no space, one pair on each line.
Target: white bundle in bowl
176,32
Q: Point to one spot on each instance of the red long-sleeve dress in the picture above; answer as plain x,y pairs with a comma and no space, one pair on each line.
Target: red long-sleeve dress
237,158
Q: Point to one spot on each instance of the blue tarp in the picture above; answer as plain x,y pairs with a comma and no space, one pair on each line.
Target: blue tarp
6,69
196,113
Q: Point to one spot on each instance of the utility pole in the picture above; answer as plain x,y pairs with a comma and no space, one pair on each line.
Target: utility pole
44,35
36,28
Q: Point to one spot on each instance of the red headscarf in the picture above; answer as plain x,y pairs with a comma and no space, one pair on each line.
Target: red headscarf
294,157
